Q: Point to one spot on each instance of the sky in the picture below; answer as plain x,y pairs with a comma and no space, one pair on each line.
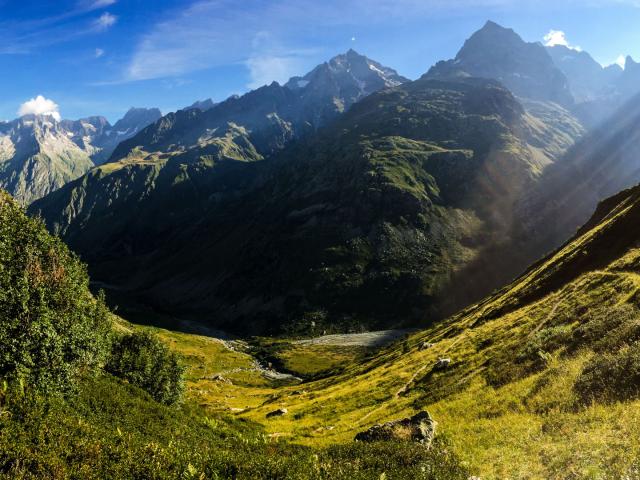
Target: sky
77,58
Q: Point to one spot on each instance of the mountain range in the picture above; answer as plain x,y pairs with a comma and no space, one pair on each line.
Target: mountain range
406,187
39,153
430,192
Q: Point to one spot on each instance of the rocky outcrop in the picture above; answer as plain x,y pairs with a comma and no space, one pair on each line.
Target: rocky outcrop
420,428
277,413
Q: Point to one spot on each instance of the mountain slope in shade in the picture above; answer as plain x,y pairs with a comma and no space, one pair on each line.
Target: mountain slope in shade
272,115
605,161
588,80
499,53
364,223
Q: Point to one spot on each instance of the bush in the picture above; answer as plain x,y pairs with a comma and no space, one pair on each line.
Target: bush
144,361
611,377
51,327
608,329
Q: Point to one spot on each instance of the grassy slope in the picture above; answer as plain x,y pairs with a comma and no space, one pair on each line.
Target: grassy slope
505,418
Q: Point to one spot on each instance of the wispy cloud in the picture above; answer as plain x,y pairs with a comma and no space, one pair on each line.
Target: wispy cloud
96,4
211,33
105,21
24,36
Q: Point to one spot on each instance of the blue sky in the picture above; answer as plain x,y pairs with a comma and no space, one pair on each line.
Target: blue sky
103,56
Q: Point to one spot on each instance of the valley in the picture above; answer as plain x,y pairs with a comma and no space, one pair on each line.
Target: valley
341,274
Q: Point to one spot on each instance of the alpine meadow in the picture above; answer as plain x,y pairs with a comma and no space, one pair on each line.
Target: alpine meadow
420,259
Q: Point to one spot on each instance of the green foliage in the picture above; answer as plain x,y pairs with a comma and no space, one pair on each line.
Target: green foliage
113,430
51,327
611,376
143,360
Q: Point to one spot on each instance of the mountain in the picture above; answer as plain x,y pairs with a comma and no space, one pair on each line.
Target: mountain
499,53
106,139
604,162
629,82
39,154
272,115
363,223
203,105
588,80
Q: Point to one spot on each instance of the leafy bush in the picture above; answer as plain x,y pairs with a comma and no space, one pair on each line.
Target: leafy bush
51,327
144,361
611,376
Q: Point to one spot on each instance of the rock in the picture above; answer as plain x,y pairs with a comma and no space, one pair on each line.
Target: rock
277,413
220,378
442,364
426,345
420,428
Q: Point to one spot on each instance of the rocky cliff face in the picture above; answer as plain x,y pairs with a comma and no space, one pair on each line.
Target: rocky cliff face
272,115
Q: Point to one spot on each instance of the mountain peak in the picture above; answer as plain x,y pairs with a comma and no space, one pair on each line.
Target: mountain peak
500,53
352,71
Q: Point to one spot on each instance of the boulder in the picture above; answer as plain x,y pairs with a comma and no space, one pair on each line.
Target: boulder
426,345
420,428
221,379
277,413
442,364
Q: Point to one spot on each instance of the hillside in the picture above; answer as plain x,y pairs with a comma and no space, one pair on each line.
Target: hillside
408,187
542,381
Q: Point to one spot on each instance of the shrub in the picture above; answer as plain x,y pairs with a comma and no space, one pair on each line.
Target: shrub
611,377
144,361
51,327
608,329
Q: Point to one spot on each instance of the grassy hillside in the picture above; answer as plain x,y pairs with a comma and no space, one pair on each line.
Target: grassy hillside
542,382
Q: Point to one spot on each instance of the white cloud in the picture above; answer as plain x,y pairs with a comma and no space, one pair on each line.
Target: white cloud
105,21
99,52
621,61
40,106
558,37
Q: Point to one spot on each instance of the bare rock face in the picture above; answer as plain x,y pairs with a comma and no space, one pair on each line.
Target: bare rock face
420,428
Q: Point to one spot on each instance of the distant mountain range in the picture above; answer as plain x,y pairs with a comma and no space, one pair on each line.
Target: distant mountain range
39,154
